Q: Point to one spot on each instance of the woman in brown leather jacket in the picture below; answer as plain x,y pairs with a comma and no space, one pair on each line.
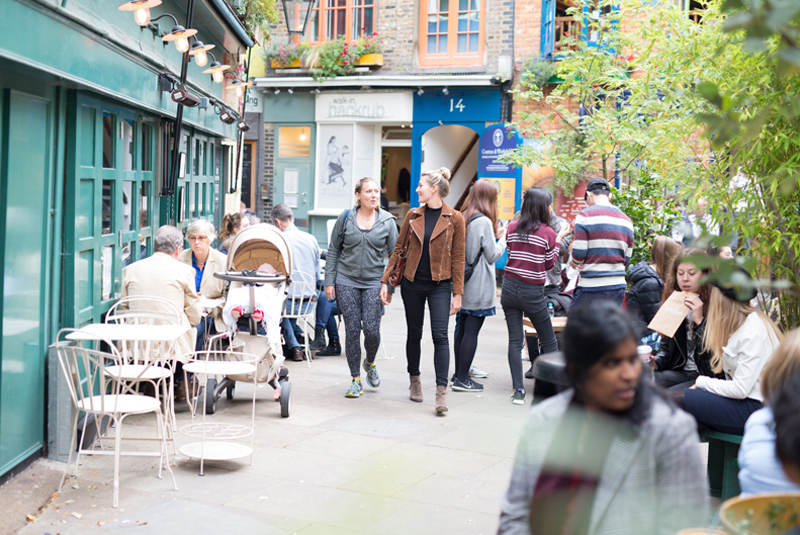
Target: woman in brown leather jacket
434,272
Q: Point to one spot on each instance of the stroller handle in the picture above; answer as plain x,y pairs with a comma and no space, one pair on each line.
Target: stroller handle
251,279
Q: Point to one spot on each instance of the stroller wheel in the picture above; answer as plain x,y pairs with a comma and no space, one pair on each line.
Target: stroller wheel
211,401
283,373
230,390
286,398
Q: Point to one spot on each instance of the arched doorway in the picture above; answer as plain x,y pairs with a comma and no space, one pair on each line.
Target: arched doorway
455,147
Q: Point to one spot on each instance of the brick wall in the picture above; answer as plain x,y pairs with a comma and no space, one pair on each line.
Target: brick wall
269,170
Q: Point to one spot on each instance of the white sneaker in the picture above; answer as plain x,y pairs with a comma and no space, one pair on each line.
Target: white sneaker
525,355
475,372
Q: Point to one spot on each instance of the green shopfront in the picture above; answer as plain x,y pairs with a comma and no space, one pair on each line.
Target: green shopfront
86,137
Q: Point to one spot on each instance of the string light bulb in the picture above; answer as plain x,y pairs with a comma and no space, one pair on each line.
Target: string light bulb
141,10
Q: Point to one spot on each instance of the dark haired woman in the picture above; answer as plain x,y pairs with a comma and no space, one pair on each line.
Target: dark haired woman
533,248
610,455
480,291
231,225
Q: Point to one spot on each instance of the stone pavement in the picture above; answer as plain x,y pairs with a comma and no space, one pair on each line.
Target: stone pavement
379,464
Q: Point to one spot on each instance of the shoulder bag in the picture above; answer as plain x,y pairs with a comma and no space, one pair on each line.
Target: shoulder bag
469,268
396,277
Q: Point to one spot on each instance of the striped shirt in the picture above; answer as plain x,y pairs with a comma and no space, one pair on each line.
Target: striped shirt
603,244
531,256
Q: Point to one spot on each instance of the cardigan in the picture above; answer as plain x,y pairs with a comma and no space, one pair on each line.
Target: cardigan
480,291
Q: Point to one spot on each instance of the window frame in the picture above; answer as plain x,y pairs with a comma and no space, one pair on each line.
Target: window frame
350,8
452,57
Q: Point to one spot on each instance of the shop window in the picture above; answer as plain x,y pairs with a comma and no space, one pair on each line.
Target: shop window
196,158
144,204
332,19
294,142
147,152
452,33
127,206
108,140
87,139
108,204
127,145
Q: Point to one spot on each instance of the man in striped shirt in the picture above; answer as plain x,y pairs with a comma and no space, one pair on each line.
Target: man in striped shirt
601,246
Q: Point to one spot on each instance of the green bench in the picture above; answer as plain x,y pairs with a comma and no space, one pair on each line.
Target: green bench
723,464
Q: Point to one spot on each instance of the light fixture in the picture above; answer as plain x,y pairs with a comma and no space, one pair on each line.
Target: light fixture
179,34
239,86
243,126
226,117
277,91
297,13
290,91
317,91
445,91
141,10
420,92
216,69
184,97
199,52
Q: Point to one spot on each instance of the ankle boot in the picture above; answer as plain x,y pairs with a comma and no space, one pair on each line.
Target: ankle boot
319,339
441,400
334,349
416,389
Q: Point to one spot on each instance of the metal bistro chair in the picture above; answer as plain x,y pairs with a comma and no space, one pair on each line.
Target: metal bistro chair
87,381
302,309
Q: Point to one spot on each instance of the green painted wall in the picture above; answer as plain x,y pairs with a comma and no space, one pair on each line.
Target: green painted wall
286,108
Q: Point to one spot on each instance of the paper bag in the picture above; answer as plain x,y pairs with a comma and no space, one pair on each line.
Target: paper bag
670,316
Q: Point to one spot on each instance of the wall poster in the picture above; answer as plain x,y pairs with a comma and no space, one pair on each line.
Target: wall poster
335,166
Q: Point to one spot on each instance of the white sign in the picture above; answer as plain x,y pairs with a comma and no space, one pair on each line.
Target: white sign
334,166
253,103
291,179
389,107
290,200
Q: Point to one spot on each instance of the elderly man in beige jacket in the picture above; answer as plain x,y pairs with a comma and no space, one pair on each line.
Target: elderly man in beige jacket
162,275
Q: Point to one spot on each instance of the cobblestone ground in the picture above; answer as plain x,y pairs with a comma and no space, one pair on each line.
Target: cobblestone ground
379,464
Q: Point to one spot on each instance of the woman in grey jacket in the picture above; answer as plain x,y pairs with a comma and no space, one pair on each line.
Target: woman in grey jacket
359,241
480,290
611,455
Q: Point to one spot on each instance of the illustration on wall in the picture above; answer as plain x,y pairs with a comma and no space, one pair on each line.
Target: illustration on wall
335,170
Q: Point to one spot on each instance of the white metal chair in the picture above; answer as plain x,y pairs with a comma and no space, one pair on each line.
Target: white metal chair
300,307
86,376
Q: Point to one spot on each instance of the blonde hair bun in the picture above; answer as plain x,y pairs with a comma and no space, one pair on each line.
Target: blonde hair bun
445,172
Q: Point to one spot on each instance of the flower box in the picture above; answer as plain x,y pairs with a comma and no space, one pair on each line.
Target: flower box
371,60
276,64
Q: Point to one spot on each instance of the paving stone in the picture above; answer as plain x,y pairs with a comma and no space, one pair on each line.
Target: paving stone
427,519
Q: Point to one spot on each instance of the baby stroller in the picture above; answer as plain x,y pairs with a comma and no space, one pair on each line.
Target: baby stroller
259,268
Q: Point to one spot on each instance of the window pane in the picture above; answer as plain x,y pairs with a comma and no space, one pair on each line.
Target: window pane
443,45
444,6
431,26
144,205
442,24
462,43
205,158
474,5
474,22
127,145
147,153
473,42
87,139
108,140
197,200
127,205
108,204
196,158
432,44
367,22
462,22
432,6
463,5
294,142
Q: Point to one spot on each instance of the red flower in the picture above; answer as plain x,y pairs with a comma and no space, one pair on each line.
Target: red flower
345,62
374,34
364,28
595,85
343,53
630,58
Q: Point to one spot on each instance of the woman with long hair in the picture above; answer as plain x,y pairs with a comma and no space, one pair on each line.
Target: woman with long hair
481,252
680,359
741,340
533,248
646,281
434,273
231,225
611,454
360,240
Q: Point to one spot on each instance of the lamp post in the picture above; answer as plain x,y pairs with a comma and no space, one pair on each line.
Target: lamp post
297,13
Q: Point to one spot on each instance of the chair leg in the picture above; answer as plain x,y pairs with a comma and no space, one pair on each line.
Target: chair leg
162,420
73,443
305,337
117,455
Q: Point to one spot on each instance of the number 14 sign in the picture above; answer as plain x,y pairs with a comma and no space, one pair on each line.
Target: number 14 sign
457,104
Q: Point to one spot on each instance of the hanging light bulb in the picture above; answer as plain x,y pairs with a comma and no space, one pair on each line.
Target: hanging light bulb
141,10
217,76
181,36
239,86
199,52
216,70
182,44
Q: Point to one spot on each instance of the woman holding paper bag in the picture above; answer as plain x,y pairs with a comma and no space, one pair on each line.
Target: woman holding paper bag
680,359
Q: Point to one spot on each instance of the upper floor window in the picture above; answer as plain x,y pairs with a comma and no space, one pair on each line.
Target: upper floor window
451,33
332,19
558,23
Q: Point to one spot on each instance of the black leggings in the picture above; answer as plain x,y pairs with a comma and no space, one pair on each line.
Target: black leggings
465,343
361,309
437,294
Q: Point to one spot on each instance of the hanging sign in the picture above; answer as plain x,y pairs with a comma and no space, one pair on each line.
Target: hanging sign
495,142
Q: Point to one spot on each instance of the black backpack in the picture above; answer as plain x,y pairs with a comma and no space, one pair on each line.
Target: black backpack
469,268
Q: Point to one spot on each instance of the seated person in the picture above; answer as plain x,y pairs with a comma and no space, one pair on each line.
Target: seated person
610,455
759,468
161,275
205,261
326,320
786,403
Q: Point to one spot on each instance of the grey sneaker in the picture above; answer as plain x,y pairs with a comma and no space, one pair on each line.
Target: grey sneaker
518,397
475,372
467,386
372,374
355,389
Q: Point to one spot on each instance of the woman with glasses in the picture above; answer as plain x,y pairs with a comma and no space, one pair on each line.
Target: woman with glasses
206,261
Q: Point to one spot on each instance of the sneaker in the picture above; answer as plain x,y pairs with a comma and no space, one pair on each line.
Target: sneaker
475,372
518,397
237,312
355,389
372,374
467,386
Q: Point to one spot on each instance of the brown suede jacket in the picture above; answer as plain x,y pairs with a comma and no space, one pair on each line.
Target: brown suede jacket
446,247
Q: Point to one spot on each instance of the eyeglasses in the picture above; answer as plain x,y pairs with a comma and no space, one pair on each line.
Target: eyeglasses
197,238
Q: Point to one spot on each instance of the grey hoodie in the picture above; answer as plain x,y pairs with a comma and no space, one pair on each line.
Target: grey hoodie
362,254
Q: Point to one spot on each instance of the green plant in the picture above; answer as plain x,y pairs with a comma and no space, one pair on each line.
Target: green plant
256,15
284,54
332,59
536,72
368,44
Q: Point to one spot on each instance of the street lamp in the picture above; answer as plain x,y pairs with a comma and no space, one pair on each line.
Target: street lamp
141,10
199,52
297,13
216,69
239,86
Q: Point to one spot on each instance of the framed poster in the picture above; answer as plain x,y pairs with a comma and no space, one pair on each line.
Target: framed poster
334,166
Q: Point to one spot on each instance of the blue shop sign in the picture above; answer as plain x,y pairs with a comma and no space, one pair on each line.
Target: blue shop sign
458,105
496,141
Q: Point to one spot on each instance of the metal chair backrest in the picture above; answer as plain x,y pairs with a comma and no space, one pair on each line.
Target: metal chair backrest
84,372
143,310
301,299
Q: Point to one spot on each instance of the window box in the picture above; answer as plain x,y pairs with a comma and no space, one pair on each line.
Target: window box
278,64
371,60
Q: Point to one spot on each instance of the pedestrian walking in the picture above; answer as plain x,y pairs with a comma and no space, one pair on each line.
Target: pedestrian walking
680,359
611,455
601,246
647,285
533,248
360,240
485,243
429,262
741,339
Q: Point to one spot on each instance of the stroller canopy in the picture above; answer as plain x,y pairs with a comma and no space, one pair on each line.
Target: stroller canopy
257,245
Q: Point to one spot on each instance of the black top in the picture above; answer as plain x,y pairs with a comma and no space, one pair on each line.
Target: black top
644,295
424,268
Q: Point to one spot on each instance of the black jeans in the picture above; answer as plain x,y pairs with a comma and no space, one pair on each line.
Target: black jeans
465,342
719,413
438,295
671,379
517,298
580,295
